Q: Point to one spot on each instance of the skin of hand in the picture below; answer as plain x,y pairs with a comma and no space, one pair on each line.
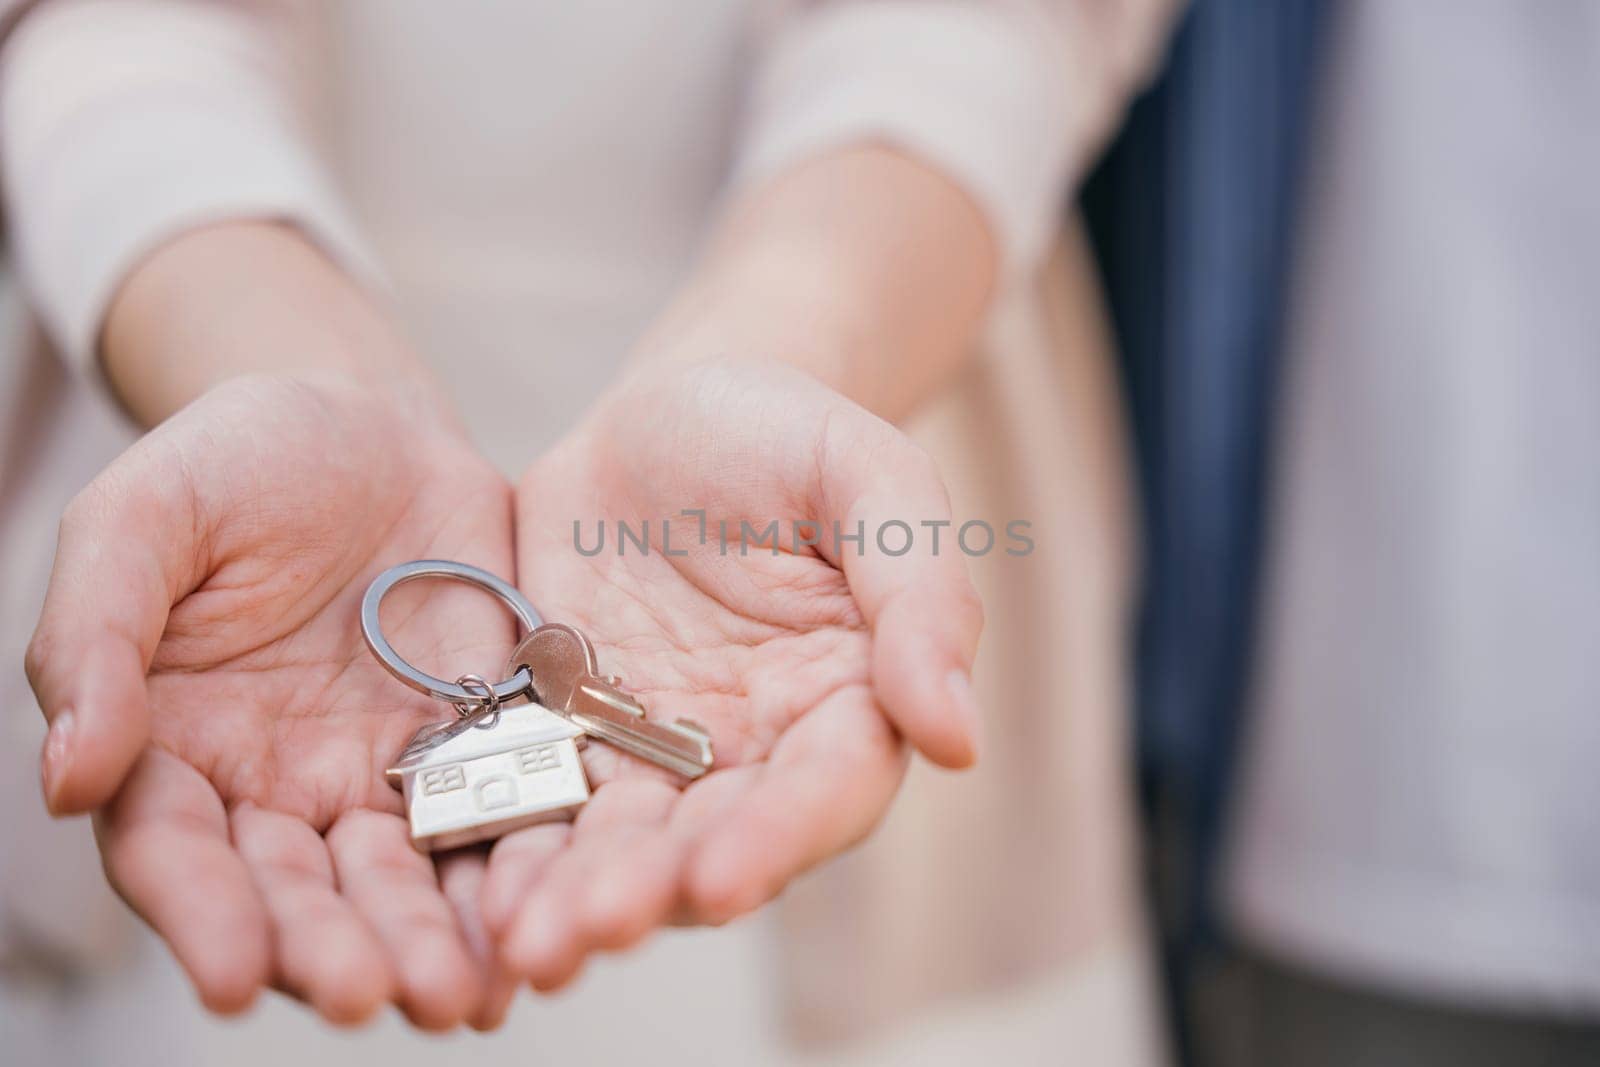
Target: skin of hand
209,672
806,665
200,659
861,277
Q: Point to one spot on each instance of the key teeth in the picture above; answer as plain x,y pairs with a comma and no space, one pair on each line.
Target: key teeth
693,727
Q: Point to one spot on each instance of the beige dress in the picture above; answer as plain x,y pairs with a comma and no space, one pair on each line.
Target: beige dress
1012,886
531,181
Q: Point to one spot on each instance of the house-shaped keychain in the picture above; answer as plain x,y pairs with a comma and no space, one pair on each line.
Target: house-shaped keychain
473,780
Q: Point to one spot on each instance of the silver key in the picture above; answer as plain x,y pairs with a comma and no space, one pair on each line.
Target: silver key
561,665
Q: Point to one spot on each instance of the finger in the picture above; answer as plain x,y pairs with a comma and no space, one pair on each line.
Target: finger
827,784
396,888
706,803
632,877
703,804
325,953
164,840
921,604
461,877
572,907
126,553
516,863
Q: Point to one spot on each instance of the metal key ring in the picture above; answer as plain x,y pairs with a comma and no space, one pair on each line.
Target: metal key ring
487,713
419,680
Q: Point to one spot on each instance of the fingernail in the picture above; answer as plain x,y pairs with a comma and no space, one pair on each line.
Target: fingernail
960,686
57,755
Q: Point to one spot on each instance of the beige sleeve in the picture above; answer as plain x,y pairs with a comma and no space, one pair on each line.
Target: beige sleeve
125,122
1010,98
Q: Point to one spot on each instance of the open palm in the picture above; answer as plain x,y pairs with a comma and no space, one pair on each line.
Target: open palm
806,664
200,643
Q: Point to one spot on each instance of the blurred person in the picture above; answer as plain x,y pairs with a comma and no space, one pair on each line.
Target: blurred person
1352,248
829,202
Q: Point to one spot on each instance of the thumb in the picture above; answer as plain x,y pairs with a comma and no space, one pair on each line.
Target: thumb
921,604
125,549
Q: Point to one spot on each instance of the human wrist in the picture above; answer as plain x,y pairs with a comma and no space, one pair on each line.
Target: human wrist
249,298
864,268
763,308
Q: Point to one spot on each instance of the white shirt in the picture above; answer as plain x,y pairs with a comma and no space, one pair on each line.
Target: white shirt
1421,805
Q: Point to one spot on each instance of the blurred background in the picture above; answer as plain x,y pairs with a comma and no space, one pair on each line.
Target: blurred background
1292,715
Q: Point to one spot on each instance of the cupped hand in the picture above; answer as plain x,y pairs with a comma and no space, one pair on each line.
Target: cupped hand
807,665
200,660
